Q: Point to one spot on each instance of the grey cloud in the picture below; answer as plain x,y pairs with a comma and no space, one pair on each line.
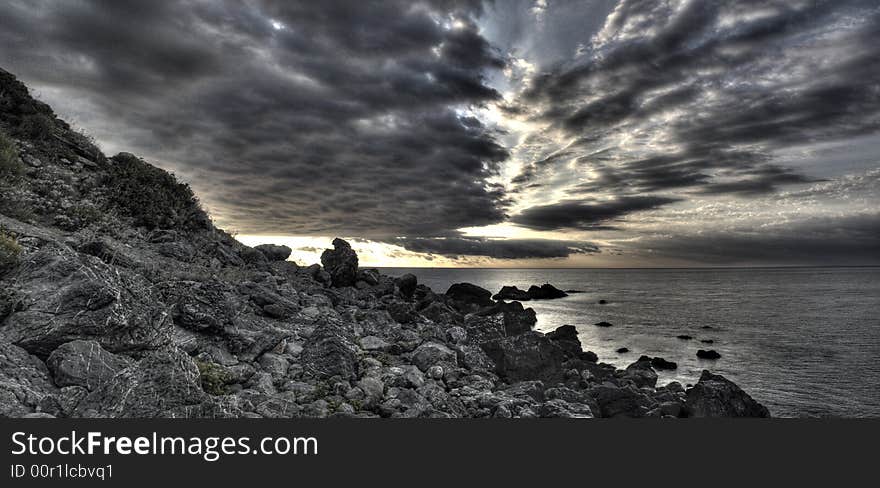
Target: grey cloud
732,89
310,118
586,215
496,248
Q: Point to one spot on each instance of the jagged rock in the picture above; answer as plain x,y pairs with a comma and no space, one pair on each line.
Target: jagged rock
566,337
558,408
433,353
441,313
621,402
467,297
341,263
274,252
407,285
368,276
24,381
641,373
330,352
84,363
74,296
156,386
516,318
710,354
527,356
545,292
716,396
373,343
512,293
252,256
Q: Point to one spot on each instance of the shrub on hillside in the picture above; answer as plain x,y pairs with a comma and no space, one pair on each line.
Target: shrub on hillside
151,196
10,251
36,126
10,165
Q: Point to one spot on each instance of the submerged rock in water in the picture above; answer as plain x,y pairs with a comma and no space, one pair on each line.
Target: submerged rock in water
604,324
684,337
512,293
622,350
710,354
660,363
716,396
545,292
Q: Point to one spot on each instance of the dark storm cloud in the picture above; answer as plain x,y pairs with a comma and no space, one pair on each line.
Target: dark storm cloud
849,240
319,118
496,248
586,215
706,92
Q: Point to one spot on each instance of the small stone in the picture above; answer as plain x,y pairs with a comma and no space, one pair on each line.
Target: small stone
436,372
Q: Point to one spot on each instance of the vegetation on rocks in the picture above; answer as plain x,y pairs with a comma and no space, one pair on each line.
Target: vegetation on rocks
9,162
152,197
36,126
213,378
10,251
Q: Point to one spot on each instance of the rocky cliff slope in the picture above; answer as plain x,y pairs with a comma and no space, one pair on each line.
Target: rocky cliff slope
119,298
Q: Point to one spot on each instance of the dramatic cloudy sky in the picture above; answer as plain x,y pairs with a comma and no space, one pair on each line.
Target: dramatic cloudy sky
469,133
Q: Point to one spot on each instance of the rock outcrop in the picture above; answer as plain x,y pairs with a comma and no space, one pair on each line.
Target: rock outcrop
543,292
119,298
341,263
716,396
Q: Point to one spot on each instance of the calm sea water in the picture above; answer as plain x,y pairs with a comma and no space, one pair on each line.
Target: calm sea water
803,341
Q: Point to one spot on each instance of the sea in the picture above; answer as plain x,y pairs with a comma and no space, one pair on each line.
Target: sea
805,342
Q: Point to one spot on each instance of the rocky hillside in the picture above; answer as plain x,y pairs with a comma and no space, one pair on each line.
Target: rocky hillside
119,298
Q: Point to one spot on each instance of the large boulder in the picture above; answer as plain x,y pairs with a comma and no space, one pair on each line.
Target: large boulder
330,351
165,383
528,356
434,354
24,381
516,318
274,252
467,297
407,284
68,296
616,402
716,396
641,373
341,263
566,337
84,363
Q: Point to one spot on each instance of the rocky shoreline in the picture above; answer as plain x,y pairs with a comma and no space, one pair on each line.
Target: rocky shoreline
120,298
